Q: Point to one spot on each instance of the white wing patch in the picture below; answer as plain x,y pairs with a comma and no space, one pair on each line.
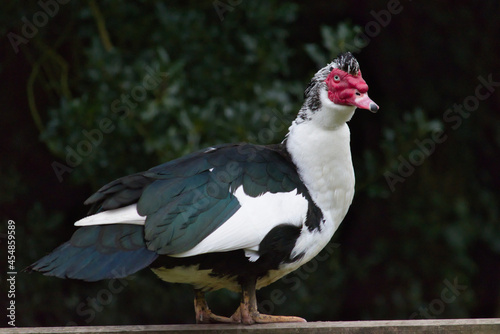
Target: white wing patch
244,230
125,215
252,222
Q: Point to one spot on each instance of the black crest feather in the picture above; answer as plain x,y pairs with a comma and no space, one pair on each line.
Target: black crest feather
347,63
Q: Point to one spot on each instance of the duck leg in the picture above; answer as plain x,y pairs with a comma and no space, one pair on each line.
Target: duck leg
248,314
203,313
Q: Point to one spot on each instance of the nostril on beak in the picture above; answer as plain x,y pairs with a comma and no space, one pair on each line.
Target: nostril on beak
358,94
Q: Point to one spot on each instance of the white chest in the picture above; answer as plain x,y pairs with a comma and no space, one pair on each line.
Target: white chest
323,157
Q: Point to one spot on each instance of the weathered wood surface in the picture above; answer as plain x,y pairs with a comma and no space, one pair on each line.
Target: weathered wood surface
344,327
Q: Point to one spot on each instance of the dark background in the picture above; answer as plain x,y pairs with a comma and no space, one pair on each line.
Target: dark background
422,237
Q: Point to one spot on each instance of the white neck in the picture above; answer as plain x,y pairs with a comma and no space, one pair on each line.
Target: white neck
320,148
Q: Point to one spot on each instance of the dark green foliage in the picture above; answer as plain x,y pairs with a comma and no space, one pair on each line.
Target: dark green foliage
107,89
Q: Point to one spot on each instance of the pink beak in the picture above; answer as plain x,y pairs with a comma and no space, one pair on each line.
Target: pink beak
364,102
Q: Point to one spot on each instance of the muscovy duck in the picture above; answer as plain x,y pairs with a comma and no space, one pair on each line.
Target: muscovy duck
236,216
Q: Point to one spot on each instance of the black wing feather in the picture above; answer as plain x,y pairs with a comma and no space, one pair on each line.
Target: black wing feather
186,199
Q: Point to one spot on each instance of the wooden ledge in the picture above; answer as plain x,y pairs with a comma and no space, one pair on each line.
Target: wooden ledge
345,327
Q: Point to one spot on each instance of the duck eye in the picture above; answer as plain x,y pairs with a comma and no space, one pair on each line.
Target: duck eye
336,78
